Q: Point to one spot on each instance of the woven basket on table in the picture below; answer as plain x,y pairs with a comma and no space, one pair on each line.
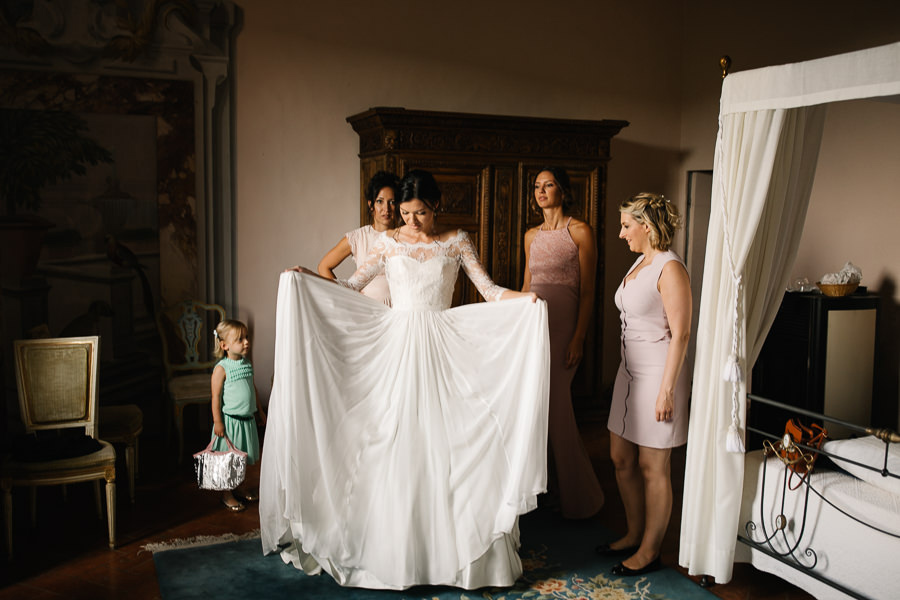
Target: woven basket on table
836,290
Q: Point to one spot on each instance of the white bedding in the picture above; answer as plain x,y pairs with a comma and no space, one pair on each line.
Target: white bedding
859,558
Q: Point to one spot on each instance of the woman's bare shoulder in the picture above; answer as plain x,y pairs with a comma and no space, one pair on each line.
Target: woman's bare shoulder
580,230
674,273
579,225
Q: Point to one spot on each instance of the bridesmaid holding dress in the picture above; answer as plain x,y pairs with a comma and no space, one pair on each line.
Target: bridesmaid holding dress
560,260
381,191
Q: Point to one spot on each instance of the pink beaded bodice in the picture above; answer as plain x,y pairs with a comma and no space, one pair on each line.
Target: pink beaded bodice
554,258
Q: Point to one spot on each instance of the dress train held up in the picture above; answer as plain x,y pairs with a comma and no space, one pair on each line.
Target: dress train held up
402,444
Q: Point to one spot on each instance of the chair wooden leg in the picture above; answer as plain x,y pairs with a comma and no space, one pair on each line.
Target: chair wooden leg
111,510
7,518
97,499
129,465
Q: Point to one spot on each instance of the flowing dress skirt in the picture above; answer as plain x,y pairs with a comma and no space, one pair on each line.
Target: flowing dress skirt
402,445
580,494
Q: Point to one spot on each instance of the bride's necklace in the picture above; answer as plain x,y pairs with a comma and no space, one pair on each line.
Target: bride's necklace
426,238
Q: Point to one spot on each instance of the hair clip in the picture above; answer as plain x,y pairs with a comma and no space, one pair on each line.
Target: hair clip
216,333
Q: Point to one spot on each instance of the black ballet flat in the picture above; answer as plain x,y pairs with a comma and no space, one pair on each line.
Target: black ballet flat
623,571
605,550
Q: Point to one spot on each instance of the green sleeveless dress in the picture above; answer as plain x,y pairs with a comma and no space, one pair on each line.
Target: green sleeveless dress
239,408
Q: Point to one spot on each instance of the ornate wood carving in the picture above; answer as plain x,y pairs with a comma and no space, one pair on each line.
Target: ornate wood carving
485,165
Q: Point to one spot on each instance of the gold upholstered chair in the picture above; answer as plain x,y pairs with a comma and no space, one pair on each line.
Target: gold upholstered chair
56,380
186,330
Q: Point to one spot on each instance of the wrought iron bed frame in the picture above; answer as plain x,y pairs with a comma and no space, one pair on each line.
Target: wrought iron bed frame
792,556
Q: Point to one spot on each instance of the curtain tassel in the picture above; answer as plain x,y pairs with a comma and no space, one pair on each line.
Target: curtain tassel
733,371
734,442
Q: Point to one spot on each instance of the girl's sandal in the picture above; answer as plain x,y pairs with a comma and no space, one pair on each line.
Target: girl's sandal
234,507
248,496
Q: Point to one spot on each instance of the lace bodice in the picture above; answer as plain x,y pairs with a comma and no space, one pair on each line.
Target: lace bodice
422,276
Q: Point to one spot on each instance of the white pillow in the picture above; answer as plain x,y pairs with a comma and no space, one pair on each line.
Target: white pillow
868,451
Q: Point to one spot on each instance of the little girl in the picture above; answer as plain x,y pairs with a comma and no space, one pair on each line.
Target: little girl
234,400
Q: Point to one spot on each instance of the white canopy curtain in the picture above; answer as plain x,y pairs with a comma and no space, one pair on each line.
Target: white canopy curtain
770,128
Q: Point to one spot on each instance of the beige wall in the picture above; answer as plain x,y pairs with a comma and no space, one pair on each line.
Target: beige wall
854,208
301,70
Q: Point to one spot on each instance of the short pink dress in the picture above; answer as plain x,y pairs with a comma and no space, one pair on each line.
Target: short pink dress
555,277
645,343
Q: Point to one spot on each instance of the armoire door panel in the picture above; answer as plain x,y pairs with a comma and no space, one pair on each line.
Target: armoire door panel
505,244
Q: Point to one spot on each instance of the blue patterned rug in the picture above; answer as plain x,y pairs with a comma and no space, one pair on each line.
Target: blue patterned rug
557,555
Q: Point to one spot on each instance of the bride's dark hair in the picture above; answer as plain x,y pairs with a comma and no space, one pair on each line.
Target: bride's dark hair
420,184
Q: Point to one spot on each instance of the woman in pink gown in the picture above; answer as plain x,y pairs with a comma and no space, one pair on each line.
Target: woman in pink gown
560,260
649,412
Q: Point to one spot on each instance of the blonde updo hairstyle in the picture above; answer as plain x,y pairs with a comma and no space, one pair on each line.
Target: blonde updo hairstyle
659,213
226,330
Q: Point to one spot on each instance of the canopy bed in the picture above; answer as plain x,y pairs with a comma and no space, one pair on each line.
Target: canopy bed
770,128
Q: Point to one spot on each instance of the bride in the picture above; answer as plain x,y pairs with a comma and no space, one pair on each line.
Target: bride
403,443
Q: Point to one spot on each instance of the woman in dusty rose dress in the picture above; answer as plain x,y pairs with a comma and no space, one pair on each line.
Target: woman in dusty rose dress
560,259
649,412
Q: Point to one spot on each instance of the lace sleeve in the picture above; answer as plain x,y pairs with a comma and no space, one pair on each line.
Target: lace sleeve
475,270
369,269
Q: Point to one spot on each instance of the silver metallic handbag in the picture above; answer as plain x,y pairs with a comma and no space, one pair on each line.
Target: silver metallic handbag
220,470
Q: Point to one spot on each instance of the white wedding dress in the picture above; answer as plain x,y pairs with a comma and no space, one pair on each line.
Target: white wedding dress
403,443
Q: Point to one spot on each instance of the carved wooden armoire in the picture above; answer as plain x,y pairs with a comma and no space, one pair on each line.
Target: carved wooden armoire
485,166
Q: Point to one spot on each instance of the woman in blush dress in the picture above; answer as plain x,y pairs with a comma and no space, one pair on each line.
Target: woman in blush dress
382,189
404,442
560,260
649,412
